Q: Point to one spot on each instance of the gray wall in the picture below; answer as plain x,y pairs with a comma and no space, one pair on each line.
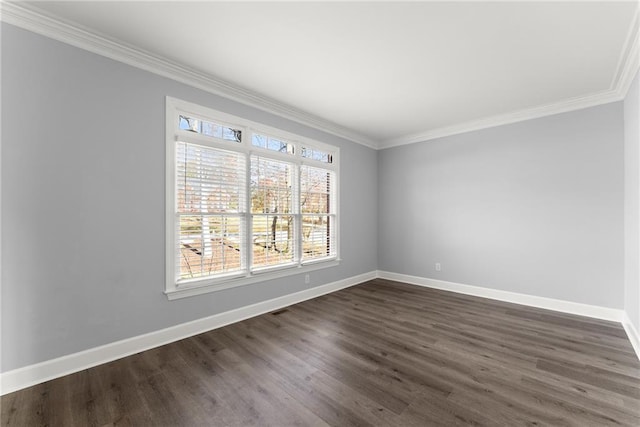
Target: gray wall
534,207
83,202
632,202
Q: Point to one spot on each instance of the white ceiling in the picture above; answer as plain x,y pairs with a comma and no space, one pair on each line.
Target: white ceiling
391,72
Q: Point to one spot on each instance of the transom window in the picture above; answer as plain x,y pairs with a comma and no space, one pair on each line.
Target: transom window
245,202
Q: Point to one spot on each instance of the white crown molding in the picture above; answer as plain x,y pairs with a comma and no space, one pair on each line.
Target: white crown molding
629,59
27,376
626,70
35,20
573,104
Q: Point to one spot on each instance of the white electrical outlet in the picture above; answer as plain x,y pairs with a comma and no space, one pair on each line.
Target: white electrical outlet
438,266
306,279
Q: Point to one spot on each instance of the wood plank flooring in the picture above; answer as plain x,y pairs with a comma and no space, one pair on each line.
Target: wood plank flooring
381,353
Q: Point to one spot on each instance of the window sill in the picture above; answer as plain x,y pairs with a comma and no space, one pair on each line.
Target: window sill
204,287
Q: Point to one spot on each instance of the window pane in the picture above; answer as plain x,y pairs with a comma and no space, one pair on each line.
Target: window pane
209,180
315,190
259,140
211,129
270,186
209,245
230,134
317,237
273,240
208,128
315,154
273,144
189,123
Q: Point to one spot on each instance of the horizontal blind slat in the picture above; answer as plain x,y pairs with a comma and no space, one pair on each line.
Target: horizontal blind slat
209,180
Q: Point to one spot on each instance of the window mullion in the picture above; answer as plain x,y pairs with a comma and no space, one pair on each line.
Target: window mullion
247,259
297,226
201,206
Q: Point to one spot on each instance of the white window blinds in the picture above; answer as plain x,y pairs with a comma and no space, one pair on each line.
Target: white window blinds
245,202
272,222
317,201
210,190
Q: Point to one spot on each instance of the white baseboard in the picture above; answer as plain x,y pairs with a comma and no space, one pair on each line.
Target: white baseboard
38,373
632,333
27,376
594,311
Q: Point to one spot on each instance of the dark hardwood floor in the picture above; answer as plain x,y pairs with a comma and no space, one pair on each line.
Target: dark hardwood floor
381,353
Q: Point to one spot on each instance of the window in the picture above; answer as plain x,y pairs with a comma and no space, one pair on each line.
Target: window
245,202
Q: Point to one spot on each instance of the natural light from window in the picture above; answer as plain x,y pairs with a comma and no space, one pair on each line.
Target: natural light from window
244,201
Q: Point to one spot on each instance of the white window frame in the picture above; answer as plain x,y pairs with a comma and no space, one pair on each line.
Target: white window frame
175,288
